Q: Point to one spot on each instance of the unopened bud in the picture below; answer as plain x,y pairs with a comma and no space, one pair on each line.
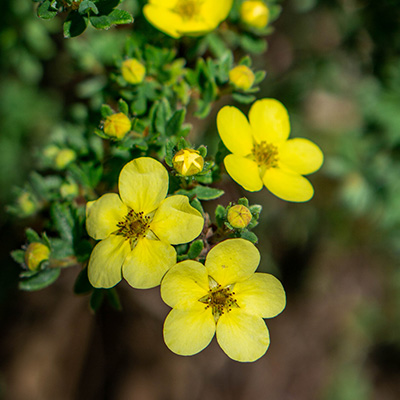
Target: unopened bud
188,162
239,216
133,71
254,13
64,157
69,190
35,254
242,77
27,204
117,125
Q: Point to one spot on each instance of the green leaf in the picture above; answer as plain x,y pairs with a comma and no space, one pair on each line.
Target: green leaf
40,280
175,122
195,203
113,299
162,115
195,249
250,236
253,45
63,221
46,10
115,17
243,98
82,284
96,299
220,215
203,192
246,60
86,6
32,236
18,256
61,248
106,110
75,24
123,106
259,76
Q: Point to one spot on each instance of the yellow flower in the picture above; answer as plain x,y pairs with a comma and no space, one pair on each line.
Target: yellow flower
35,254
138,227
239,216
179,18
263,154
133,71
242,77
188,162
254,13
225,297
117,125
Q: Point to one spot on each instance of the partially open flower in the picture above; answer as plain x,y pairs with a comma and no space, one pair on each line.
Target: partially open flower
188,162
254,13
241,77
117,125
35,254
133,71
239,216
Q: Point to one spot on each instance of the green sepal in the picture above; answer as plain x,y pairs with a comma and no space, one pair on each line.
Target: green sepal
195,249
123,106
40,280
32,236
220,215
18,256
106,111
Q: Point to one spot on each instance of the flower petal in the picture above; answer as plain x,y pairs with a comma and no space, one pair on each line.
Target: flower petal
232,260
184,284
216,11
187,332
147,263
163,19
143,184
244,171
103,215
261,295
301,155
105,264
243,337
288,185
164,3
176,221
270,121
235,131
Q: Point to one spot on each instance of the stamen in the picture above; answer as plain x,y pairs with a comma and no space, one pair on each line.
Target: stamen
134,226
265,155
188,9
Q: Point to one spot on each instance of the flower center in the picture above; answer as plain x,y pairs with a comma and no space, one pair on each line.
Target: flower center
219,299
188,9
134,226
265,155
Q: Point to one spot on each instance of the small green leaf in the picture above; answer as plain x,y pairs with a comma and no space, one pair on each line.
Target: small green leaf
123,106
115,17
203,192
63,221
82,284
195,203
32,236
220,215
106,111
243,98
75,24
246,60
243,201
86,6
40,280
46,10
259,76
175,122
195,249
18,256
96,299
250,236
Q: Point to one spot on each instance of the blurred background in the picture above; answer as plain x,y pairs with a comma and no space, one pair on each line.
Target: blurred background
335,64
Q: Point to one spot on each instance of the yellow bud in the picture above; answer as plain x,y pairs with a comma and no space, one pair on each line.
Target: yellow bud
35,254
188,162
69,189
64,157
133,71
26,204
239,216
242,77
254,13
51,151
117,125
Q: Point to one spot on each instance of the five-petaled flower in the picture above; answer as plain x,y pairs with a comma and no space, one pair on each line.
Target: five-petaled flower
263,154
138,228
179,18
225,297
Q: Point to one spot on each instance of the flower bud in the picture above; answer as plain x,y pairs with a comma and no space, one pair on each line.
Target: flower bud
64,157
188,162
254,13
241,77
27,204
35,254
69,190
117,125
239,216
133,71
